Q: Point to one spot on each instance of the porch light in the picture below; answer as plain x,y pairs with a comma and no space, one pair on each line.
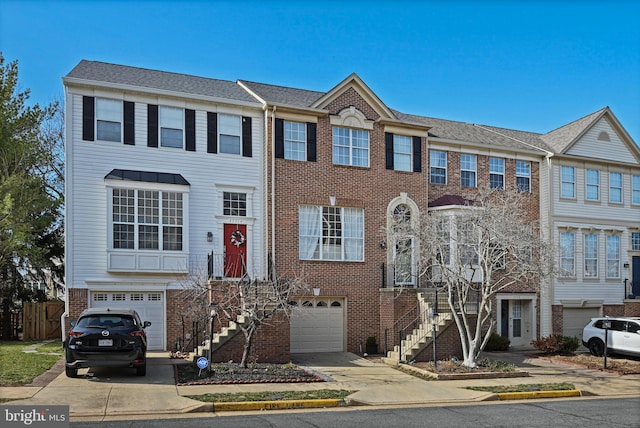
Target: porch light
209,236
316,291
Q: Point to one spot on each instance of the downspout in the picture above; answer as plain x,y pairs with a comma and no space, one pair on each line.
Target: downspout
67,231
273,187
265,189
546,311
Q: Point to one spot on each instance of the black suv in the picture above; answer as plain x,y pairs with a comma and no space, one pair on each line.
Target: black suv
107,337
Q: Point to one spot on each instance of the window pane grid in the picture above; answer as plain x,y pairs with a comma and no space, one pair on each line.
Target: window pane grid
295,140
591,255
171,121
567,254
468,170
401,153
142,231
613,256
350,147
615,187
635,189
331,233
593,184
235,204
568,182
438,167
229,128
523,176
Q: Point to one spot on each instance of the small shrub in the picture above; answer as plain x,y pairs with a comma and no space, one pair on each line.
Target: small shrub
496,365
497,343
556,344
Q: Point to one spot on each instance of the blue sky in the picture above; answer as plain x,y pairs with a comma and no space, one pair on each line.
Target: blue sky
532,65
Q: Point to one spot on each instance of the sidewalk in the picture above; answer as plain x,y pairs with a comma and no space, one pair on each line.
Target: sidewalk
117,394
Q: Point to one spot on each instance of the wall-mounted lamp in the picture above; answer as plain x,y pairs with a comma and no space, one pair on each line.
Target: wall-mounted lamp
209,236
626,265
332,200
316,291
383,244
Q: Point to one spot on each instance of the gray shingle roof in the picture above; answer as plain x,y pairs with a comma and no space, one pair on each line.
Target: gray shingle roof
466,132
273,94
159,80
561,138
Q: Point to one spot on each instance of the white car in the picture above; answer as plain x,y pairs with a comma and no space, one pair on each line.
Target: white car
623,337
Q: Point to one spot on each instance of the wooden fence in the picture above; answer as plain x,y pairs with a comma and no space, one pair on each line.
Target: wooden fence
41,320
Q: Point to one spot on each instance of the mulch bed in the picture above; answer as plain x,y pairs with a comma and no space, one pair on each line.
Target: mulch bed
232,373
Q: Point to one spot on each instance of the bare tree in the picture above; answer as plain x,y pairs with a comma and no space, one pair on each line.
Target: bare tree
249,303
487,244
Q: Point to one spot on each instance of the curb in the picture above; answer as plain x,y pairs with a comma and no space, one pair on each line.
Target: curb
277,405
539,394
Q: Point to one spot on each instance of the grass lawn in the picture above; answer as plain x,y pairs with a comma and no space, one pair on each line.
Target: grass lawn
272,396
562,386
20,368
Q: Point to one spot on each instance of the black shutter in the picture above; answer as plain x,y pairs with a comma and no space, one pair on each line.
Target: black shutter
129,123
280,138
190,130
417,154
247,144
311,141
388,149
88,118
212,132
152,125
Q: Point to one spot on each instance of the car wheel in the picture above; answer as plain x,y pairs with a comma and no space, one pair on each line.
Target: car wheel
141,370
596,347
71,371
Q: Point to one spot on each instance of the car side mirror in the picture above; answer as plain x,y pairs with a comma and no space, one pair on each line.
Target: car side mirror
73,323
146,324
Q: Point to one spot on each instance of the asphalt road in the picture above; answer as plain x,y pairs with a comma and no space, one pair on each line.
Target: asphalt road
582,412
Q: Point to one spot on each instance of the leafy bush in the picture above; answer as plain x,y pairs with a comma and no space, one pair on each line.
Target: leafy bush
496,365
497,343
557,344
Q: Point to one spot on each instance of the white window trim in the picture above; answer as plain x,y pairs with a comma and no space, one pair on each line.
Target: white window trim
498,173
521,175
587,185
343,238
621,201
562,182
475,170
397,152
635,191
290,141
597,261
160,125
608,260
351,147
98,119
446,172
569,273
220,134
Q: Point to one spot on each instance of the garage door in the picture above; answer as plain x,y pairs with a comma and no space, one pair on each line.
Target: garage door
149,304
318,326
574,320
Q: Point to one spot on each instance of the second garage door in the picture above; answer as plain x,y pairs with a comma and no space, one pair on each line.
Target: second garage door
148,304
574,320
317,325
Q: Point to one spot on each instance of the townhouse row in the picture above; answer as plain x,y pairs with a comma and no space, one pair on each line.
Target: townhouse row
171,176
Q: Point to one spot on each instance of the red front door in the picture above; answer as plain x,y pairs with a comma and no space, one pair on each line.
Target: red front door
235,244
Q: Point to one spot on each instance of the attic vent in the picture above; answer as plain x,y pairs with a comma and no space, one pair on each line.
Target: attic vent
603,136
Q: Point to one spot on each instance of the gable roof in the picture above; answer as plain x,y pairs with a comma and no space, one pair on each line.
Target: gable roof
281,95
560,139
133,78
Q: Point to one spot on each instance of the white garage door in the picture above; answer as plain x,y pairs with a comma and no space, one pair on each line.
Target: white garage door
148,304
574,320
318,326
